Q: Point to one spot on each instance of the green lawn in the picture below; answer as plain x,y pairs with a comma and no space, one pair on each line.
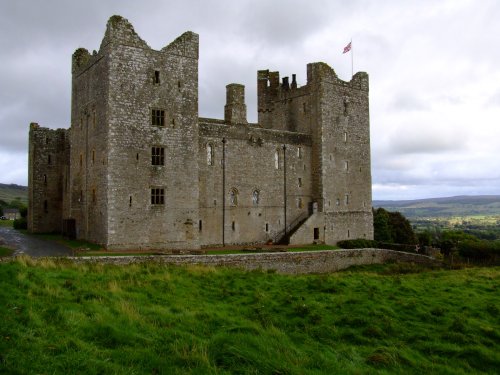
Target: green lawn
7,223
5,251
61,318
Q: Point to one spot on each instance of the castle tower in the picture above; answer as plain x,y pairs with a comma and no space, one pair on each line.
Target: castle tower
134,121
235,110
341,152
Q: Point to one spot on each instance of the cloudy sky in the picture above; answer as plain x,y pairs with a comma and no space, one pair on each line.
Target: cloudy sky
434,70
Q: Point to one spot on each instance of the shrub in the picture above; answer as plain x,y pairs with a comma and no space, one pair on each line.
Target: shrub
481,250
21,223
359,243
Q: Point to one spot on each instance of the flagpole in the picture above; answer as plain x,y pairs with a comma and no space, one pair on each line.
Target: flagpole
352,60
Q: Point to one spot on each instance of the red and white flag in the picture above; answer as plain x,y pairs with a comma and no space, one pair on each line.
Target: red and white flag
347,48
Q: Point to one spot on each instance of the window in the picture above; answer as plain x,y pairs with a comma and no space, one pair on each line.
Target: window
157,196
347,199
93,157
233,226
299,203
210,154
277,159
267,227
345,136
93,119
46,140
158,117
93,196
346,165
299,152
316,233
300,182
233,197
156,78
81,160
130,201
45,179
157,155
200,225
49,160
255,197
45,206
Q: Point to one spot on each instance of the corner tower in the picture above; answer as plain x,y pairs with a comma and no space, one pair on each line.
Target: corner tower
134,175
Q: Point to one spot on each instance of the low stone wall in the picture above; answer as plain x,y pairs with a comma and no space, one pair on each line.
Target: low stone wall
288,263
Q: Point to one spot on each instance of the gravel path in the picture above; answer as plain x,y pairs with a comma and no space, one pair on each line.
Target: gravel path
31,245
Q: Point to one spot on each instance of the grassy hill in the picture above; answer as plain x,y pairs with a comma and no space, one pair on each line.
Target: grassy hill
9,193
58,317
488,205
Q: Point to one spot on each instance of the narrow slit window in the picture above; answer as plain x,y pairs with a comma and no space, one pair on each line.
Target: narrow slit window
200,225
300,182
93,157
49,159
157,77
233,226
93,195
267,227
130,201
45,206
45,179
277,159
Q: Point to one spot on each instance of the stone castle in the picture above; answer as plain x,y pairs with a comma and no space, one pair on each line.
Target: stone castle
139,169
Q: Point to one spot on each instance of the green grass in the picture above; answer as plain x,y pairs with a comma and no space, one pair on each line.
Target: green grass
61,318
7,223
289,249
73,244
5,251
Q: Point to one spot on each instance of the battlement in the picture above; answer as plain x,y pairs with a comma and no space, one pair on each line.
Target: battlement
120,31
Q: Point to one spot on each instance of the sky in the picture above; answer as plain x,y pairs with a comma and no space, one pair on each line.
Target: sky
434,68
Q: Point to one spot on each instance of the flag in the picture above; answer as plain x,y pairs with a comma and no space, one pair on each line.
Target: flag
347,48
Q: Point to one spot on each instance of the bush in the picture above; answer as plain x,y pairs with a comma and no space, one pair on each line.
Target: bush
359,243
21,223
482,250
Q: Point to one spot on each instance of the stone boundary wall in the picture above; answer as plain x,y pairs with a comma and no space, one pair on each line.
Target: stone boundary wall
287,263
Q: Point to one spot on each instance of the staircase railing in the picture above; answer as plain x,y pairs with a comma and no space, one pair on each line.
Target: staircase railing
280,236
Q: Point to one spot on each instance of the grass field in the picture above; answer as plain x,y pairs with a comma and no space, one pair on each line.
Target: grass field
60,318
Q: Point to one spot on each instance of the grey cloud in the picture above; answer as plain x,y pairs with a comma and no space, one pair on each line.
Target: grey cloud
408,102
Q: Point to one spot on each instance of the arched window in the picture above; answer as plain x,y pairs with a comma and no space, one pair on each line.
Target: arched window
277,159
233,197
210,154
256,197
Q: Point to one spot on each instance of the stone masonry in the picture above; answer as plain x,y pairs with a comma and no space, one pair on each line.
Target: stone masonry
139,169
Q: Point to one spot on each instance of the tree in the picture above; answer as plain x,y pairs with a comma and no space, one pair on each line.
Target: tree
401,229
392,227
381,229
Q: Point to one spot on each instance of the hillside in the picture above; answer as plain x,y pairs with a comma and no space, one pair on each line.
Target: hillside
10,192
445,207
61,318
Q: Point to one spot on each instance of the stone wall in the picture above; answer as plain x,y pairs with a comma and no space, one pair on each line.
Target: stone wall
120,93
287,263
47,175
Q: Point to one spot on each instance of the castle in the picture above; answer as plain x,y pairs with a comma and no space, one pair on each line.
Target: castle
139,169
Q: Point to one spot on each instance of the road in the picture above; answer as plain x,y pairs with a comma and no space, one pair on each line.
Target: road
31,245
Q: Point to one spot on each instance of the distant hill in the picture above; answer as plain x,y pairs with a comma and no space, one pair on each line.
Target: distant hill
10,192
463,205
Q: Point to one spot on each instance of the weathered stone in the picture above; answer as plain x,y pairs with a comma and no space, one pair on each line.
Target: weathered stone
140,170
